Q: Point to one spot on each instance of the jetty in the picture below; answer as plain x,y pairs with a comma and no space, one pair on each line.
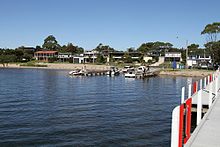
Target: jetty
207,133
146,74
195,122
90,73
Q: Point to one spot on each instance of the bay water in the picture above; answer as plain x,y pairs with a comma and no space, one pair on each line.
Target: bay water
42,107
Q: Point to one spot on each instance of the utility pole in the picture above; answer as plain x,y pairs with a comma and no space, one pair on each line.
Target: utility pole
186,53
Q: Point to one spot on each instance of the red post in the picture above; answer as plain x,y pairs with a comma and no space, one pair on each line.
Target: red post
210,80
188,119
195,86
181,125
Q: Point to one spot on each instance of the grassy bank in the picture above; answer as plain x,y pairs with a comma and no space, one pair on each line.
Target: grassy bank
33,64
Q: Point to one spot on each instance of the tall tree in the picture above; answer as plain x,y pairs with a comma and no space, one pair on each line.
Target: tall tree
216,52
50,43
213,48
212,31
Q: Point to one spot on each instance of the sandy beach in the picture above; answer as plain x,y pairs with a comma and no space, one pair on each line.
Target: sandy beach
64,66
187,73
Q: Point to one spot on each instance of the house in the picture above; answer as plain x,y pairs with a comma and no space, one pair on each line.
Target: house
173,56
64,57
86,57
45,55
119,56
197,60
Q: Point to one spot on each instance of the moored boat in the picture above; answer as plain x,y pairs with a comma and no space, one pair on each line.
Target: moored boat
76,72
130,73
113,71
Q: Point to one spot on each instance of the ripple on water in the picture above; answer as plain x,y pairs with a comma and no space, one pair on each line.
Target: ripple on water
47,108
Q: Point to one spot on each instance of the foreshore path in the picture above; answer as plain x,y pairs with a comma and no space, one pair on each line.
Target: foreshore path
207,133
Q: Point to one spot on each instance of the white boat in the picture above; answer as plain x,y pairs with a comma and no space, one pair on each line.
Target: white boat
126,68
76,72
113,71
130,73
141,69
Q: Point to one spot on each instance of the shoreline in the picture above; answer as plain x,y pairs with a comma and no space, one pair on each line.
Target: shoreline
66,66
61,66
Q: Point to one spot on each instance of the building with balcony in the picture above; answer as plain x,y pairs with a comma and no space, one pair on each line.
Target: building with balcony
45,55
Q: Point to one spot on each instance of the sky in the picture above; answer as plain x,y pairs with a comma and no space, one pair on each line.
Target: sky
118,23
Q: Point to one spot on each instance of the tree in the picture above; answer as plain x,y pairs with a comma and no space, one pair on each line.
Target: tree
5,59
100,59
212,31
155,47
146,47
131,49
38,48
71,48
215,51
127,58
104,49
50,43
193,47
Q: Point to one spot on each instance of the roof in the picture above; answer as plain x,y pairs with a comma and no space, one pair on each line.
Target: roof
46,52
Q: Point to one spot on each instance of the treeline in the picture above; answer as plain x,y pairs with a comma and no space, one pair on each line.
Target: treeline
154,49
15,55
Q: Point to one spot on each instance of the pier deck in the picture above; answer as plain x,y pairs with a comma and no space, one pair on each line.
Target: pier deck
207,133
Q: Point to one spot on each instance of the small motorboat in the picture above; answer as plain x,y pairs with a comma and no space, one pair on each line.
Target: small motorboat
76,72
126,68
113,71
130,73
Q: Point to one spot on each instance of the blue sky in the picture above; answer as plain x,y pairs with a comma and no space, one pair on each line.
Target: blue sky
118,23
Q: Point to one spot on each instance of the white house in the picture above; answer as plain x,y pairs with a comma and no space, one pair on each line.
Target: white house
173,56
63,57
196,60
86,57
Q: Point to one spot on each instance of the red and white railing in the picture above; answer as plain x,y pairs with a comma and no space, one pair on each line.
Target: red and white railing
204,93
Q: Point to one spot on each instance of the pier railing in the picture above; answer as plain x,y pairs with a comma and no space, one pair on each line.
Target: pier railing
201,95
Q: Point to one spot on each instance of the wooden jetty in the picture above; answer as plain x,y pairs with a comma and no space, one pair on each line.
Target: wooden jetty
91,73
95,73
142,75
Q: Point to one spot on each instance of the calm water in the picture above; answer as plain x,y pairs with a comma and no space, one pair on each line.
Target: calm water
48,108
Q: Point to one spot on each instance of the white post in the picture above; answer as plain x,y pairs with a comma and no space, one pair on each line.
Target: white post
216,86
183,95
200,84
175,127
190,91
210,93
205,82
199,104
